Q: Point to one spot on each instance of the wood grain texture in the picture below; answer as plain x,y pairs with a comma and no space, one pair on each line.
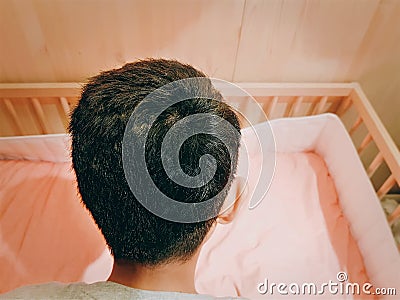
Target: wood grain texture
236,40
62,41
317,40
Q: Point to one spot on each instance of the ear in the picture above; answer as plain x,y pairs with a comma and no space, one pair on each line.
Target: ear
233,201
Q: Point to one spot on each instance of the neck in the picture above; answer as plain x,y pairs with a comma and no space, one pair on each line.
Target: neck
172,277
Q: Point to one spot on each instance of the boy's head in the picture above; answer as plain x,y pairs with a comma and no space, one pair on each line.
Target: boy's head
98,125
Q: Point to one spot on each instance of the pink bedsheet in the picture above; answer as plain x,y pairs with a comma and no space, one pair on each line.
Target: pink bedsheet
308,227
45,234
297,234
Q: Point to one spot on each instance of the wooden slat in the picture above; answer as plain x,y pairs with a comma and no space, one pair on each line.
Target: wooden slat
355,126
271,106
65,106
263,101
377,161
40,115
334,106
243,109
293,107
394,215
320,106
311,108
14,116
386,186
344,106
296,106
365,142
378,132
64,112
288,109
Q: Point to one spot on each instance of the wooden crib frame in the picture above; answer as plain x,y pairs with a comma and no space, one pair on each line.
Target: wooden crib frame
43,108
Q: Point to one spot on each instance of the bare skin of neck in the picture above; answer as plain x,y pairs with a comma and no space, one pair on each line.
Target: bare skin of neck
172,277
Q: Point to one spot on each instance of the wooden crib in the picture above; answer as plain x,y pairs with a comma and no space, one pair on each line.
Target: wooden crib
43,108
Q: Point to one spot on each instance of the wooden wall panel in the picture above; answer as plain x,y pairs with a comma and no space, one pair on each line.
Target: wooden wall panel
377,65
61,41
236,40
301,40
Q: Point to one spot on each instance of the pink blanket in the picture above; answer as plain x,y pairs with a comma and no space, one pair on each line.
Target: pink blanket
296,235
45,234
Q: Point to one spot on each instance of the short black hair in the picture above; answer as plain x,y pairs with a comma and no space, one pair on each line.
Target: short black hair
97,127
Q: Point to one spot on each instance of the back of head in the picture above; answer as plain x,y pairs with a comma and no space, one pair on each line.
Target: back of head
98,125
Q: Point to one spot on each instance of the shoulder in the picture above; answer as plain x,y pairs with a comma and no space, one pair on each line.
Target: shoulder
99,290
57,290
39,291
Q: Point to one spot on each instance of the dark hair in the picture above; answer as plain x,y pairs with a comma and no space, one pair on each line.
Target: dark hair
97,127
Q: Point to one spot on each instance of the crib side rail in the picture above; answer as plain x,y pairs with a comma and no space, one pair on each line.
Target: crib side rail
36,108
311,99
40,90
388,153
43,108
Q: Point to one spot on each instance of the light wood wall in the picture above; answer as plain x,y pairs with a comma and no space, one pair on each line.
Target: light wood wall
236,40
